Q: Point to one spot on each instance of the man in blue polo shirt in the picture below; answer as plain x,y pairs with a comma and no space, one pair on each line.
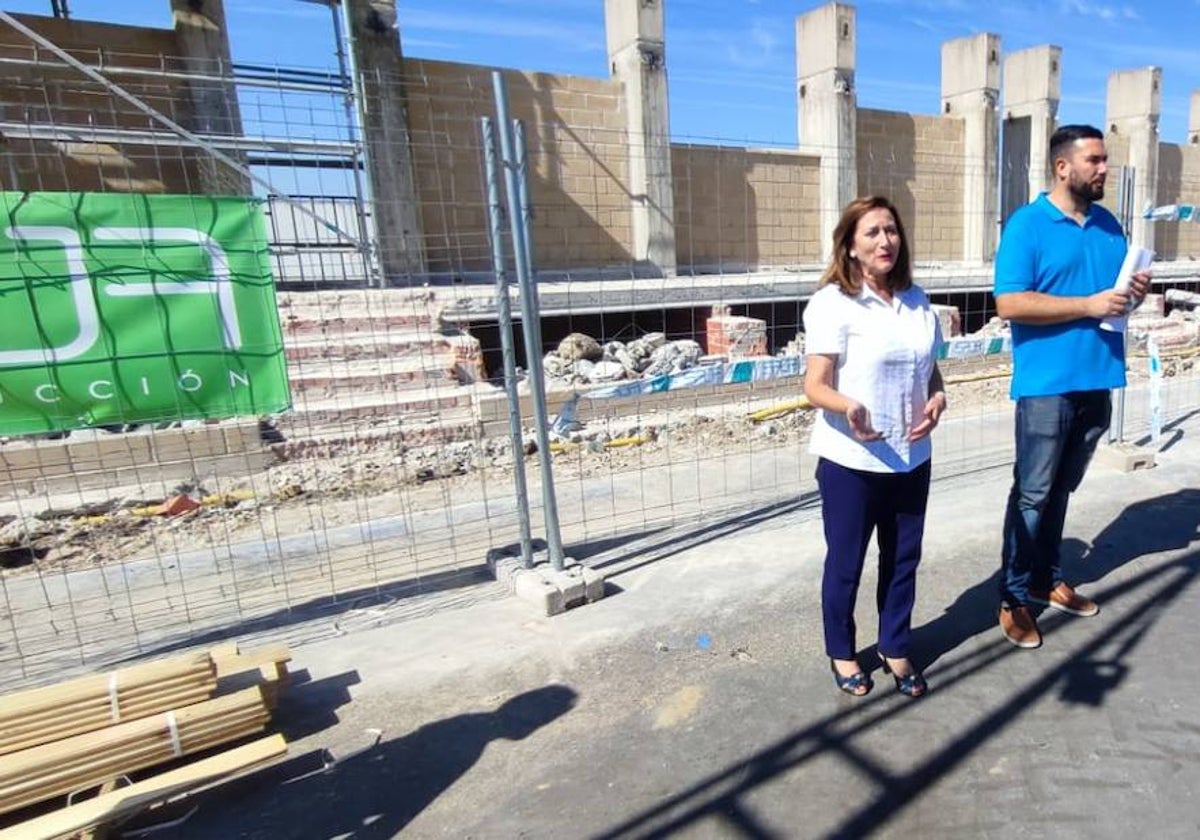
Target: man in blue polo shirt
1058,260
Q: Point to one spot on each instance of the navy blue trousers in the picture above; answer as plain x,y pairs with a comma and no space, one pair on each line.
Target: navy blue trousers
855,504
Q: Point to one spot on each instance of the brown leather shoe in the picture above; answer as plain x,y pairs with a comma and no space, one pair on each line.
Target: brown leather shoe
1019,627
1066,599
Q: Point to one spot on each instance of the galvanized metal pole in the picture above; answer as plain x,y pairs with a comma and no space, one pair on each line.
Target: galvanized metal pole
526,208
504,310
1125,213
529,315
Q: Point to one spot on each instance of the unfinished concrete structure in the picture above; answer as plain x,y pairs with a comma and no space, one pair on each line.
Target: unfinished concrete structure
970,90
59,133
827,106
1032,87
638,61
1132,110
383,109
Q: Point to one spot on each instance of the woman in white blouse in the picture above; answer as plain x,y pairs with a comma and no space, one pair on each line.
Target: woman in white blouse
871,340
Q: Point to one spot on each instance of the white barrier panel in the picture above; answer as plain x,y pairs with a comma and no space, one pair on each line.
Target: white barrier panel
773,367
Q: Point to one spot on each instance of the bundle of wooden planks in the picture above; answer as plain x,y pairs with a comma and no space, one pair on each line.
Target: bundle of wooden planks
42,715
86,732
127,801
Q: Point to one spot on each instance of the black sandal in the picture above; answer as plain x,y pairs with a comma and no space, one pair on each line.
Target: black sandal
852,683
910,685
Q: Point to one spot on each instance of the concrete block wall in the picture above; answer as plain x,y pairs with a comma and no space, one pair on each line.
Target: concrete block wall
916,161
142,457
1117,147
745,209
65,98
1178,183
575,131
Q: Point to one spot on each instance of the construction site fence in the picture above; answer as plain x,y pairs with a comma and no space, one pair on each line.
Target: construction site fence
380,492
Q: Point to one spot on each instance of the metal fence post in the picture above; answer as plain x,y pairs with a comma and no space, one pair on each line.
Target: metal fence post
1116,429
504,312
526,208
529,316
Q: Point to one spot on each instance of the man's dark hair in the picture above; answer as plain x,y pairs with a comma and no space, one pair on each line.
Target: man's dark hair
1066,135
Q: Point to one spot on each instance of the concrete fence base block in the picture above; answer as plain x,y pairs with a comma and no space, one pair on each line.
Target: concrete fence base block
552,592
1125,457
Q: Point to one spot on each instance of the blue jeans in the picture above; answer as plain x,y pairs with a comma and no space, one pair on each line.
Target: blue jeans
1055,437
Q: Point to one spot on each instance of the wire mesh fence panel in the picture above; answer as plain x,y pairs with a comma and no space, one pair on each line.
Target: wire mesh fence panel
674,383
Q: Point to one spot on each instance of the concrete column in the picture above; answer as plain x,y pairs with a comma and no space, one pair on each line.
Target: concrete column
1133,108
1032,87
383,110
828,107
970,91
1193,133
637,59
204,43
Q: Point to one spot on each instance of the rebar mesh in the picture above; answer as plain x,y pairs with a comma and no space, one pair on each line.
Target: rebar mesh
392,474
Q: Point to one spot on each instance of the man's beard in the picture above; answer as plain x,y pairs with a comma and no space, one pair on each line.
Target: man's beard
1086,191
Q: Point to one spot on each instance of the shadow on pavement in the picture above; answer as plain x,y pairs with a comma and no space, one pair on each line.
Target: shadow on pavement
682,538
1163,523
382,596
376,791
1087,678
308,706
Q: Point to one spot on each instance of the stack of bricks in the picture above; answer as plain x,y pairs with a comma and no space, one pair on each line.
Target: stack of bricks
949,318
735,336
468,359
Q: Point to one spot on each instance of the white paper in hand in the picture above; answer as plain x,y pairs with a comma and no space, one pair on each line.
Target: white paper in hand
1136,259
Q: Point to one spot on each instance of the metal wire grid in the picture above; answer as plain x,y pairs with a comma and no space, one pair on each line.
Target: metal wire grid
393,477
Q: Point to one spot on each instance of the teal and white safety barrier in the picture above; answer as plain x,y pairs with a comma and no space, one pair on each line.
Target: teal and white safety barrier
1172,213
774,367
728,373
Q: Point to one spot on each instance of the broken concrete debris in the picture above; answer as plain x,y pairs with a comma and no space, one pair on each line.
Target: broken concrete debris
581,360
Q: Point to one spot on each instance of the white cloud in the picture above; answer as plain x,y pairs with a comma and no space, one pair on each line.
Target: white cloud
755,49
936,6
291,10
504,26
1100,11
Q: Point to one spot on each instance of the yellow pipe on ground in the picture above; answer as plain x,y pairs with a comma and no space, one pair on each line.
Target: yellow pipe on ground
770,413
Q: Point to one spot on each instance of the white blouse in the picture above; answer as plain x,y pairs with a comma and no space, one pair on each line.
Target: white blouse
885,356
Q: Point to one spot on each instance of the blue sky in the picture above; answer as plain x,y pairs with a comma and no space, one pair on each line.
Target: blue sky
731,63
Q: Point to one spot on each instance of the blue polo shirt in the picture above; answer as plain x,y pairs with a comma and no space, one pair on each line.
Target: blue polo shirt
1044,250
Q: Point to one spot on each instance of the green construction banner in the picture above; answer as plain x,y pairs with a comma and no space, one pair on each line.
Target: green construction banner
119,308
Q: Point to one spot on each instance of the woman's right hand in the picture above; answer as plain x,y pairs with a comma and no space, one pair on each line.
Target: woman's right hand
860,422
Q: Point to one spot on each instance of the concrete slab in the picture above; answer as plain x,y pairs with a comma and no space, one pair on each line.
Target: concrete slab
1125,457
548,590
695,700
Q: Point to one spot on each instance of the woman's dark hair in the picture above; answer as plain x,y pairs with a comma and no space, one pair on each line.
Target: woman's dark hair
843,271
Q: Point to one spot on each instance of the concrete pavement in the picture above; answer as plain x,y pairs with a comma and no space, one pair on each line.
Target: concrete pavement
695,700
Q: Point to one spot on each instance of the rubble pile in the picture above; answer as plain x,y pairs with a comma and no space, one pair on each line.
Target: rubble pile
581,360
1177,330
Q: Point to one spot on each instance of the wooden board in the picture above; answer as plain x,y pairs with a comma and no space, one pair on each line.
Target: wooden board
128,800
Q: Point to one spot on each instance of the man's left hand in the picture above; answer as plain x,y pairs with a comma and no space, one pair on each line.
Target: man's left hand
1139,286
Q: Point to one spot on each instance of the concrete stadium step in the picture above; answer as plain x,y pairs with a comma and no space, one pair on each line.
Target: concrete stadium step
356,310
414,430
315,322
311,414
378,345
328,378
